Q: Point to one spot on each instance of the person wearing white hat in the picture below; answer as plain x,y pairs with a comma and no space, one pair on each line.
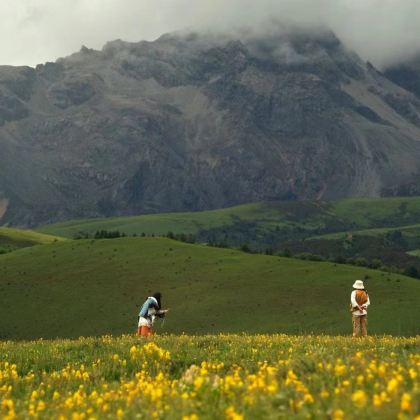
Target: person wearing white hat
359,303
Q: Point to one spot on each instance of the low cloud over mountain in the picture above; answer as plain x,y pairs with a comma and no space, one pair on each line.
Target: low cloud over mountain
35,31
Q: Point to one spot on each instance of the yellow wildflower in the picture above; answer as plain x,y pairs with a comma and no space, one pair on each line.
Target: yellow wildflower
324,394
190,417
392,386
308,398
340,369
338,415
231,414
359,398
198,382
7,404
40,406
377,400
405,402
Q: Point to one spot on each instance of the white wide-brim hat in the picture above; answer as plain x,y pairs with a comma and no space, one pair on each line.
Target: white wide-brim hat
358,284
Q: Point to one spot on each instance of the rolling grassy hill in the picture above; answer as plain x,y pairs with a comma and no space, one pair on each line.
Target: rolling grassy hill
11,238
188,223
304,216
378,212
406,230
384,229
92,287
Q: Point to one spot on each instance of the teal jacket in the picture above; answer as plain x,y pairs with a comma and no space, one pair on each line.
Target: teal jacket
150,303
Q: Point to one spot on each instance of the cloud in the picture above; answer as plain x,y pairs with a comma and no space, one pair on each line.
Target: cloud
34,31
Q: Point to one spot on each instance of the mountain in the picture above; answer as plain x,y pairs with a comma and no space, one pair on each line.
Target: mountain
192,122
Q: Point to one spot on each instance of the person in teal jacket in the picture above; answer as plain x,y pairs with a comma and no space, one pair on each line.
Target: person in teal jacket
150,309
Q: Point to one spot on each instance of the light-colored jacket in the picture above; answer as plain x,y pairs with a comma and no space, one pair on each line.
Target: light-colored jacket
354,304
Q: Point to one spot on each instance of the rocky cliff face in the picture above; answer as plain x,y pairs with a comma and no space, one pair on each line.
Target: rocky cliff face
192,122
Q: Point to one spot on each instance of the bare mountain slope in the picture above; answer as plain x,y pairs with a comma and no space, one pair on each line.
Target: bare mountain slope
192,122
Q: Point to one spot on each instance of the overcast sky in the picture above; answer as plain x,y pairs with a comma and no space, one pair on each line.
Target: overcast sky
35,31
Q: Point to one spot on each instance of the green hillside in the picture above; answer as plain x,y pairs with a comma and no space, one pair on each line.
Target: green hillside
385,231
188,223
407,230
90,287
11,239
378,212
306,216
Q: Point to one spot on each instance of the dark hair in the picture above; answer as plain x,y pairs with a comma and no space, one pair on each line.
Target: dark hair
158,297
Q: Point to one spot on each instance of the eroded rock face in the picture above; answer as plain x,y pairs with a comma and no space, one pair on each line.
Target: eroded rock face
71,93
192,122
19,81
11,108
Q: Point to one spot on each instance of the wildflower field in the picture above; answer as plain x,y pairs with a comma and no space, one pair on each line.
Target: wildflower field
211,377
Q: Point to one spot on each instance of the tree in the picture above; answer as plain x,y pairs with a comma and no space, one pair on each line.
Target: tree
411,271
375,263
245,248
286,253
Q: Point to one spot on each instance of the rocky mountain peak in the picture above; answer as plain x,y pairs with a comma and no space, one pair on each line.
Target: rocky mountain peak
194,121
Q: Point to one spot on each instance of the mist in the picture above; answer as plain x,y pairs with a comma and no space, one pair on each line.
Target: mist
34,31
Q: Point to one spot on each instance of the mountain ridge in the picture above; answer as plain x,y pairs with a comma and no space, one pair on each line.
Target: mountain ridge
191,123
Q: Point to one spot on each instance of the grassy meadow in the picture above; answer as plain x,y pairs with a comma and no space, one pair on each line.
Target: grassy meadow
248,336
232,377
95,287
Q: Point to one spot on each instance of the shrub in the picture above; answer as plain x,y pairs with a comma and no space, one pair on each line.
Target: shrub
361,262
245,248
286,253
411,272
340,260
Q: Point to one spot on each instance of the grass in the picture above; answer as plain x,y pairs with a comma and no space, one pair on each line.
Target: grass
11,238
267,215
231,377
407,230
376,212
27,236
188,223
94,287
302,219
